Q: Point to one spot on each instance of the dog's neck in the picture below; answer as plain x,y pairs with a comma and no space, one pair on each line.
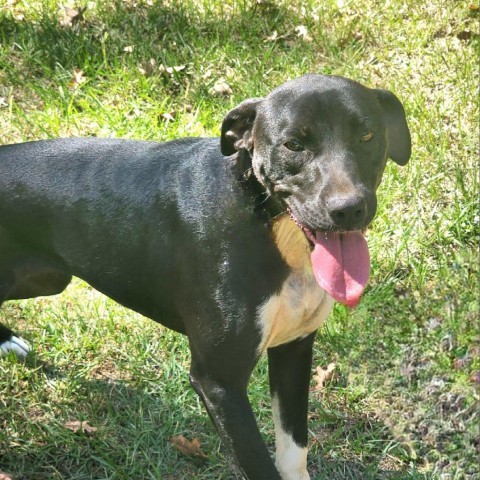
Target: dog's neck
264,204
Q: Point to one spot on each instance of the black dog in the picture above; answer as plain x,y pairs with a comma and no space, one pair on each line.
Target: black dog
244,251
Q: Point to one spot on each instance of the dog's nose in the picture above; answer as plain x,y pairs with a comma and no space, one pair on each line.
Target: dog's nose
347,212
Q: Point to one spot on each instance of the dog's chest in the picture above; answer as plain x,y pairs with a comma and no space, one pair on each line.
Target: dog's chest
301,306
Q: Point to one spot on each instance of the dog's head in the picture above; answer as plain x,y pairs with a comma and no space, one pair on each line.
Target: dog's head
319,144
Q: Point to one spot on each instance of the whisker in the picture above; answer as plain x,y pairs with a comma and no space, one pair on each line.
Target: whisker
279,214
267,196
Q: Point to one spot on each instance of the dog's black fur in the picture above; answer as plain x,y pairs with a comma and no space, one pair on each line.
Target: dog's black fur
184,233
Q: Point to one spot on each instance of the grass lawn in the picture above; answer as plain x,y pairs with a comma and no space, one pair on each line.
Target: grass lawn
403,400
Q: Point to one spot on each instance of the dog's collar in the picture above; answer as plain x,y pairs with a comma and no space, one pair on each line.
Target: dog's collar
265,205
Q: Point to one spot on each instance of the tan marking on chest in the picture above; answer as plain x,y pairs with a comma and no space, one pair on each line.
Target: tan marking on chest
291,242
301,306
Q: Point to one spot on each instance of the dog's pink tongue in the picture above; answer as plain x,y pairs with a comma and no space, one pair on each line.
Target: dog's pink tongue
341,264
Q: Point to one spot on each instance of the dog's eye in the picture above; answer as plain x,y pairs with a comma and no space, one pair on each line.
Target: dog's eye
294,146
367,137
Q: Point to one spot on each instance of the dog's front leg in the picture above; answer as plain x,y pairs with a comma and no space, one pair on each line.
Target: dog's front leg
222,385
289,372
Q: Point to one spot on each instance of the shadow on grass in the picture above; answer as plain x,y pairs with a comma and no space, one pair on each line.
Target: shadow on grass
126,434
351,470
120,35
132,426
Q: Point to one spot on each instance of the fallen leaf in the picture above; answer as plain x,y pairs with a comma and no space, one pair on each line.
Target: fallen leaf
168,116
447,343
475,377
323,376
207,74
175,69
4,476
436,384
272,37
460,363
71,16
187,447
474,351
77,425
128,48
302,32
147,68
473,7
171,70
433,323
221,89
408,370
230,72
77,78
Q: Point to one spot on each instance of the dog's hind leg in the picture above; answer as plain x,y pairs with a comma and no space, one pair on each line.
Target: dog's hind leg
289,369
9,342
24,275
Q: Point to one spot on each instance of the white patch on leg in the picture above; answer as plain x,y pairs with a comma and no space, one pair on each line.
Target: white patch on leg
291,460
16,345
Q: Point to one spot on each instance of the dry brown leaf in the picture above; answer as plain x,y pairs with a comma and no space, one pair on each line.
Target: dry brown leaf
77,78
175,69
4,476
190,448
272,37
302,32
221,89
169,116
71,16
77,425
323,376
461,363
148,67
475,378
208,73
172,71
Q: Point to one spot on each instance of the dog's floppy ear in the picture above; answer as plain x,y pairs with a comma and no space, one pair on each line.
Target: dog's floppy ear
237,127
398,135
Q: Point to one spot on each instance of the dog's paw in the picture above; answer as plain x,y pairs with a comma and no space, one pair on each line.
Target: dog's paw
16,345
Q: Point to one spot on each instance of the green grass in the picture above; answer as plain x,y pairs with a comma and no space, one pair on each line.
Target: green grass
402,403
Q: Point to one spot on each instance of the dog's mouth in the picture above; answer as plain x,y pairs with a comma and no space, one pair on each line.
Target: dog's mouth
340,262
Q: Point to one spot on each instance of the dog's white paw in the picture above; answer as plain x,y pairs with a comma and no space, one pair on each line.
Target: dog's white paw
16,345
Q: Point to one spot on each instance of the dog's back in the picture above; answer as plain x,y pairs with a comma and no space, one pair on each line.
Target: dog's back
142,222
